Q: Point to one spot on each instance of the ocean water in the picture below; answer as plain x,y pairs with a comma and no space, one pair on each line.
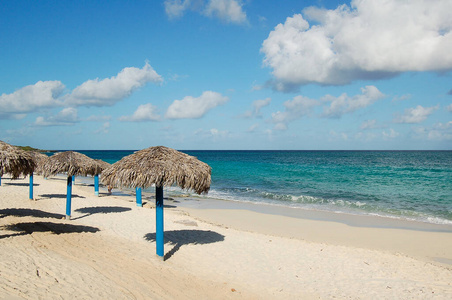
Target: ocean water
412,185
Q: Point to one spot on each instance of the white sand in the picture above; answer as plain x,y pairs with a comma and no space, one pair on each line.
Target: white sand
107,251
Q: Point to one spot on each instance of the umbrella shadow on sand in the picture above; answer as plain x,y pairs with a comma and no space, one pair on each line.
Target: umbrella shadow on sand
87,211
178,238
28,212
20,184
55,228
63,196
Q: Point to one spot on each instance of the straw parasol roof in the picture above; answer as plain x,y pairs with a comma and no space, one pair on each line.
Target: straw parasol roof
102,164
70,162
39,160
159,166
15,161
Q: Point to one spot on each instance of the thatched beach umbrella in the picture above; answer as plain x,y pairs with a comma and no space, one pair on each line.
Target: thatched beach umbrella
16,162
39,159
72,163
159,166
102,166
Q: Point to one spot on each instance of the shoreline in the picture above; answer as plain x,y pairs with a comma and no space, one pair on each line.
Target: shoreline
355,220
211,253
427,241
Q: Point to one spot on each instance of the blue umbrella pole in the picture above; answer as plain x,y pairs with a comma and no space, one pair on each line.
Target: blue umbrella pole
31,187
96,184
0,180
138,195
68,197
159,220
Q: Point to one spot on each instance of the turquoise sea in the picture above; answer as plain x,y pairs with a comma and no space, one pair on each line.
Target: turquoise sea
410,185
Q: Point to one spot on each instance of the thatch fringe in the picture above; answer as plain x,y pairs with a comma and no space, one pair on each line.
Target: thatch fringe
71,163
102,164
15,161
39,160
159,166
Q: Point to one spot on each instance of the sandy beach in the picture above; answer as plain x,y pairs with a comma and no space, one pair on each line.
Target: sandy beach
212,250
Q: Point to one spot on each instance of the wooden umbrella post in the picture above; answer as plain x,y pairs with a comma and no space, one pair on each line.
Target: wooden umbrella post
96,184
138,196
159,220
68,197
31,187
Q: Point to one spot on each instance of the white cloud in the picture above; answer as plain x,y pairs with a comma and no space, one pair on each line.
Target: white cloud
369,124
195,108
296,108
257,106
253,128
11,116
226,10
368,40
108,91
333,136
415,115
213,134
94,118
230,11
390,134
438,132
449,108
32,97
104,129
344,104
176,8
68,116
402,98
145,112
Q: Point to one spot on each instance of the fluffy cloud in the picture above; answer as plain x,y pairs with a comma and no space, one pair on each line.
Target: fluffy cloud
108,91
344,104
213,134
226,10
369,124
68,116
176,8
390,134
32,97
257,106
438,132
195,108
145,112
104,129
368,40
294,109
449,108
415,115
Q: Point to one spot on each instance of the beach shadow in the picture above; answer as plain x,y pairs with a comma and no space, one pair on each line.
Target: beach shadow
55,228
59,196
100,210
20,184
178,238
28,212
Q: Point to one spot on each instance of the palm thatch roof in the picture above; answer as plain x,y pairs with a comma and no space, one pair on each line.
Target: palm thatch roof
15,161
71,163
102,164
159,166
39,160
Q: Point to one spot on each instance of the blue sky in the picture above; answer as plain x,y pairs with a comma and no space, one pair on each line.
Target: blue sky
226,74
